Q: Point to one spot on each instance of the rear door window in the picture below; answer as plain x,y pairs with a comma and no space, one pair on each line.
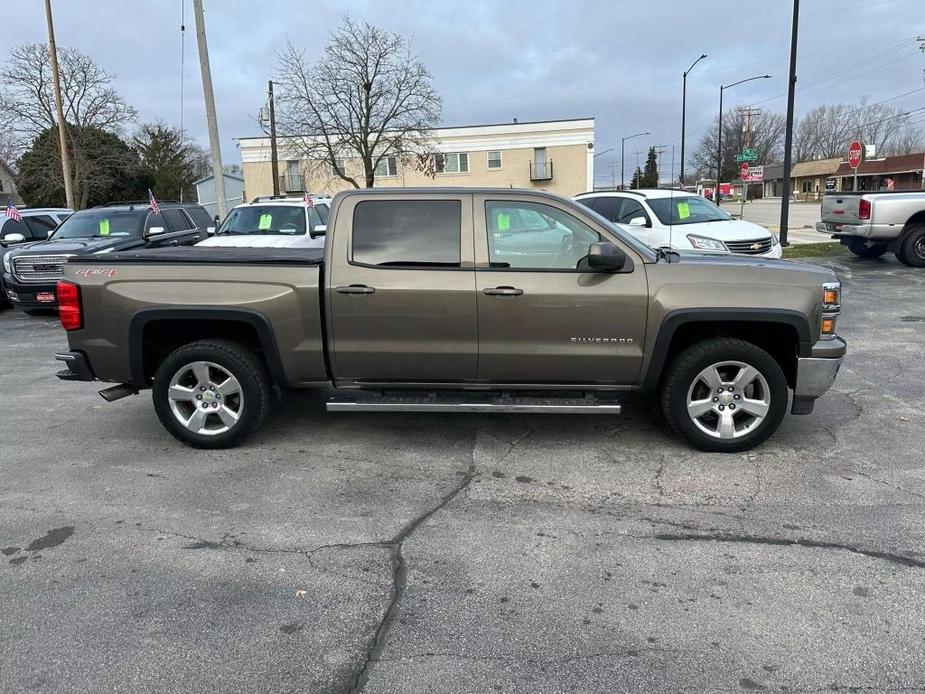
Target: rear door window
176,220
609,208
40,225
410,233
200,217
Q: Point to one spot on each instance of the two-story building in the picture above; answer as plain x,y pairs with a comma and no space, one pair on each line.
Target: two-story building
556,155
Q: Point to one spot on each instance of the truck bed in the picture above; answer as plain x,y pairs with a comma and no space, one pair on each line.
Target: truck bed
183,293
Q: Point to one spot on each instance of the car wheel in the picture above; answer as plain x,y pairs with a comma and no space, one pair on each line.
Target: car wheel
724,395
211,394
858,247
912,248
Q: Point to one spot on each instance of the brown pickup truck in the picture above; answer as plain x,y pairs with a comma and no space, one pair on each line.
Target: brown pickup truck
461,299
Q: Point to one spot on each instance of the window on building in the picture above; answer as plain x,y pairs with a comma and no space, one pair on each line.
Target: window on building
494,159
452,162
387,166
807,186
339,166
407,232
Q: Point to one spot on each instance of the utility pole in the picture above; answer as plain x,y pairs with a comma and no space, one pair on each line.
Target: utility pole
659,151
788,138
218,173
274,160
59,107
748,112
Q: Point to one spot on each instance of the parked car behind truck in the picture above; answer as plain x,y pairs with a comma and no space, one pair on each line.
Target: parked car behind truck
456,299
871,224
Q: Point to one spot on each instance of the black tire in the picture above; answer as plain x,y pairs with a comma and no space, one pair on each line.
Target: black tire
238,361
857,247
912,247
682,377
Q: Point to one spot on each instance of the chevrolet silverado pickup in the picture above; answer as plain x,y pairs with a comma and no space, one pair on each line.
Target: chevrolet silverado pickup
870,224
456,300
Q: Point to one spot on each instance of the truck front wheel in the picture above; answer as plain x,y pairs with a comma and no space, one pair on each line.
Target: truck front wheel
724,395
912,247
211,394
861,250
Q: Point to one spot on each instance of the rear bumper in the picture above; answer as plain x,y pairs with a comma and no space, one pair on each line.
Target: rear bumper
29,296
77,368
816,374
883,232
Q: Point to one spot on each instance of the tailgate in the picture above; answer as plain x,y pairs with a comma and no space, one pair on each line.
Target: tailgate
840,209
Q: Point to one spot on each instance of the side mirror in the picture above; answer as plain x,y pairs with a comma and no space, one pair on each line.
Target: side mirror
604,256
215,221
14,238
155,231
639,222
318,230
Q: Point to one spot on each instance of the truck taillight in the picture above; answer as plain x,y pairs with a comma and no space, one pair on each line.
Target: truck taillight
864,209
69,306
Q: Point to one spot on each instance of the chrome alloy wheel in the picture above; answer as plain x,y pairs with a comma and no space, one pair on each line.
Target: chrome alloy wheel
728,399
205,398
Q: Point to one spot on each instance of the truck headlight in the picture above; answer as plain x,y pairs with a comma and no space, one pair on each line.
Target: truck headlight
7,264
706,244
831,307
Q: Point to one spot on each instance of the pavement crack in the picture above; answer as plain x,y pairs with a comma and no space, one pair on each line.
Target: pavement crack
891,557
887,484
400,577
509,658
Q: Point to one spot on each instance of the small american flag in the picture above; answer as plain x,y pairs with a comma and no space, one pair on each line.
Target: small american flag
308,200
153,203
12,212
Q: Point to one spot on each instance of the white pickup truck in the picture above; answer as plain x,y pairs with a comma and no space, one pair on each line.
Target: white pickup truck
870,224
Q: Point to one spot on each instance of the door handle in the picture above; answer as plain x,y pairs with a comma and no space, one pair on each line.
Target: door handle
502,291
173,242
355,289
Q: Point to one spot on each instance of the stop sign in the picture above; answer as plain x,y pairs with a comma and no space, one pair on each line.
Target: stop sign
855,154
743,171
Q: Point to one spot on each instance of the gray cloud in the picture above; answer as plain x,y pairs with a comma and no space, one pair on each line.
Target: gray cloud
620,62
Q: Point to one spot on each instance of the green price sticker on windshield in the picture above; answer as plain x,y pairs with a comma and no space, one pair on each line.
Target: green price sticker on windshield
266,221
683,210
104,227
504,222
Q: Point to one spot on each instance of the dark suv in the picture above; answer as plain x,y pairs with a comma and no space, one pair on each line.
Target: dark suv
31,271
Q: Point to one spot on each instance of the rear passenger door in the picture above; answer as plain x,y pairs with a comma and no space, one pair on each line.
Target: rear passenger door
401,290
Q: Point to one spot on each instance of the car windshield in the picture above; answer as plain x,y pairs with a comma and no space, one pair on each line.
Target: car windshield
686,209
265,219
101,223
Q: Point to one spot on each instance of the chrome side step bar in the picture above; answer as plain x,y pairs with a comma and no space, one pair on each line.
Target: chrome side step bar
398,401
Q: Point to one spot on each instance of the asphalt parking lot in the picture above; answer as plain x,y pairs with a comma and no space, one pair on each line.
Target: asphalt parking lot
469,553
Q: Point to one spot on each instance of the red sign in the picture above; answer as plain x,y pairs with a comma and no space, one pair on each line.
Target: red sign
855,154
743,171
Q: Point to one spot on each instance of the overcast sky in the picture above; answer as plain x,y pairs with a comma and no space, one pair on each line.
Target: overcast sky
494,60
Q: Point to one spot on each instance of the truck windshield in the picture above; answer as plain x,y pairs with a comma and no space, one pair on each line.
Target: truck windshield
101,223
686,209
267,219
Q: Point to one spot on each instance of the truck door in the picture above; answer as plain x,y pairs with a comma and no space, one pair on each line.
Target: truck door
401,289
541,320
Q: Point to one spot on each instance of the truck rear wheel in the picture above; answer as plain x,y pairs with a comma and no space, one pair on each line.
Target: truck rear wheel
724,395
211,394
912,247
861,250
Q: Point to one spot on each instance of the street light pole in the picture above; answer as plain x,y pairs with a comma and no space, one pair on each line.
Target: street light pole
719,137
788,138
622,153
684,110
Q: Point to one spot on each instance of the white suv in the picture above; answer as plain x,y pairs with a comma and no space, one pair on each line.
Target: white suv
681,221
274,222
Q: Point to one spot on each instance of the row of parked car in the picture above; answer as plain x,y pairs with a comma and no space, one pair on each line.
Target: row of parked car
35,248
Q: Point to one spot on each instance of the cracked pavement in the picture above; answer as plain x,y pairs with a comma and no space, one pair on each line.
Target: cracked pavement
469,553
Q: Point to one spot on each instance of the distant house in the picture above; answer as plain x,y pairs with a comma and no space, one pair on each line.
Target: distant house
905,171
773,180
8,186
234,192
808,178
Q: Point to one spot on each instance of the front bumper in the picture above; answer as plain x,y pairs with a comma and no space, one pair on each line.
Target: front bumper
30,296
816,373
77,368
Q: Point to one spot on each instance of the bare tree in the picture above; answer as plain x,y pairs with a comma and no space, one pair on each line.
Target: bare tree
368,97
89,101
765,137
